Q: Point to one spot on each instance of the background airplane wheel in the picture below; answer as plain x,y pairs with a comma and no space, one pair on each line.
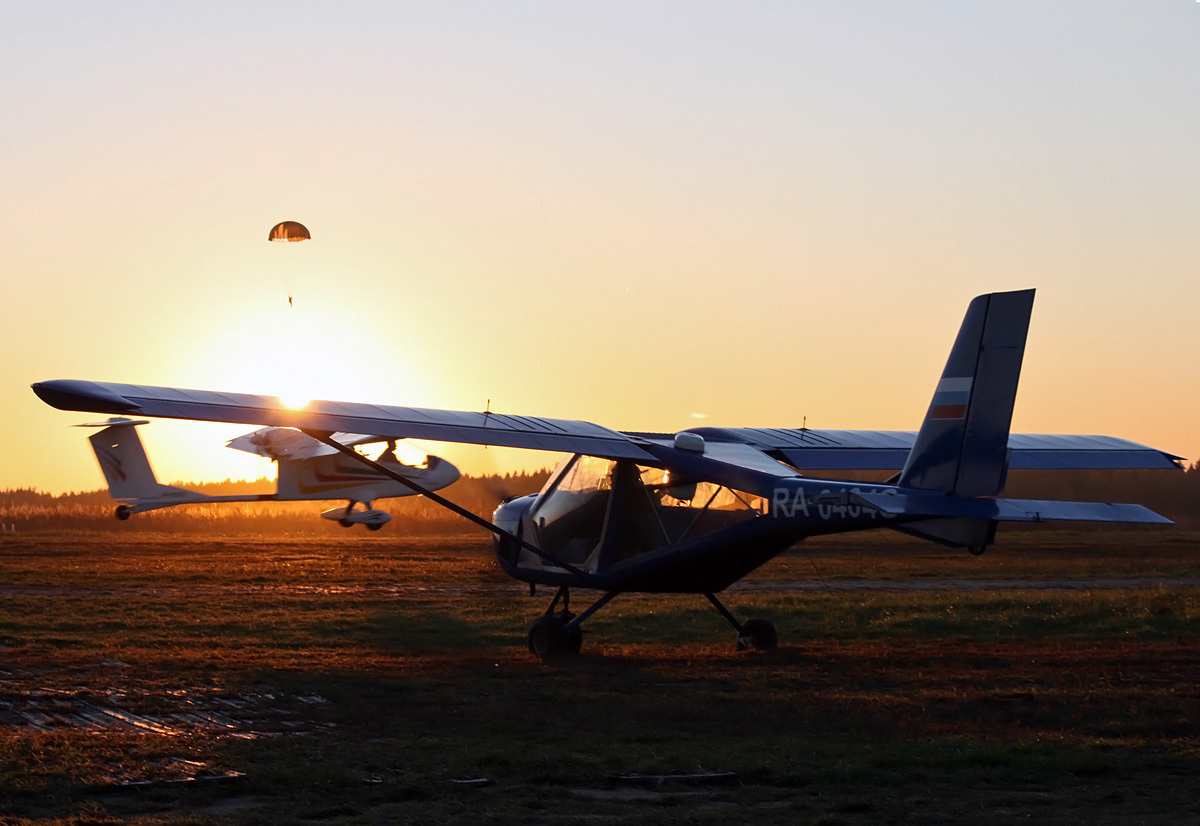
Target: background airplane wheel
345,523
548,637
757,634
374,527
123,512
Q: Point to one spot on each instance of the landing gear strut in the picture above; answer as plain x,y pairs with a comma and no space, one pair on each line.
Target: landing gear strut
753,634
558,631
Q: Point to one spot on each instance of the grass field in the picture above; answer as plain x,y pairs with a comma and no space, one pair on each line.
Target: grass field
375,679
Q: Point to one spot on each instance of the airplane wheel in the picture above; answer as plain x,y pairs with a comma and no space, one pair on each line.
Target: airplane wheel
548,637
757,634
123,512
374,527
574,640
345,523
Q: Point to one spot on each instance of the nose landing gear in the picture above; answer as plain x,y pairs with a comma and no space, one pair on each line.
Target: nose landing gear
551,635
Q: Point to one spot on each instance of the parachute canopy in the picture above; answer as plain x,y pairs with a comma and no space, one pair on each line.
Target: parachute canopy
289,231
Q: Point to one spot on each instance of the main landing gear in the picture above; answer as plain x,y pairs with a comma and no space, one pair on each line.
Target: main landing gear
559,632
753,634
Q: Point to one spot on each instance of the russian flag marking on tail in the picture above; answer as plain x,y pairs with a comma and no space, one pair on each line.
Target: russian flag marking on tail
951,398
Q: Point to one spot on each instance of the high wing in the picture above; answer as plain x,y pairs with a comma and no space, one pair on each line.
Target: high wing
888,449
748,458
532,432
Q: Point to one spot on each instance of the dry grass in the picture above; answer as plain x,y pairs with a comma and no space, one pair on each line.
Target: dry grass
1062,706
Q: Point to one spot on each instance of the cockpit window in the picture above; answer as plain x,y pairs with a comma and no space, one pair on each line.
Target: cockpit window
571,512
595,512
658,510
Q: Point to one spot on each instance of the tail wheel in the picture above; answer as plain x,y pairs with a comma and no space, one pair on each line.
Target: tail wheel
757,635
123,512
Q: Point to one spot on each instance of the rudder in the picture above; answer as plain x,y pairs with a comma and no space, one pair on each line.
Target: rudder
124,463
962,447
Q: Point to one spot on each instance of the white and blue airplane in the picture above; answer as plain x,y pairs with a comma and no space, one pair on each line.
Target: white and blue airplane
695,511
308,470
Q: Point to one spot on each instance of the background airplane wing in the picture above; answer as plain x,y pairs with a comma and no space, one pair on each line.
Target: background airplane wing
888,449
531,432
285,443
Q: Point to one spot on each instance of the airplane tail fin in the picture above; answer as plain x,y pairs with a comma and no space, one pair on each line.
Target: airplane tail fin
962,446
125,466
959,460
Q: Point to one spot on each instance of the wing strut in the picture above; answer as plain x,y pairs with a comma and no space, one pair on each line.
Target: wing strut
326,437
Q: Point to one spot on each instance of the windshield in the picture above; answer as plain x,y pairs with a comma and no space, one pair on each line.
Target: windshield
570,514
596,512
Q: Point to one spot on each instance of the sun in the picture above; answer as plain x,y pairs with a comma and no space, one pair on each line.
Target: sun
294,402
299,356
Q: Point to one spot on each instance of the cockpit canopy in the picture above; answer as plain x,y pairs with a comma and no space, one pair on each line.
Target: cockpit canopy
596,513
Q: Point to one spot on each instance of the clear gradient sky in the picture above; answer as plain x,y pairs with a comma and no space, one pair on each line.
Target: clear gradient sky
648,215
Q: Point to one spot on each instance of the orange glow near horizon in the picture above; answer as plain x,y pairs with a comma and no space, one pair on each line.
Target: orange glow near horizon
637,238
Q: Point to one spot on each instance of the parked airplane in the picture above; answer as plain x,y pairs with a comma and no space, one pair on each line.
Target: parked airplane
695,511
307,470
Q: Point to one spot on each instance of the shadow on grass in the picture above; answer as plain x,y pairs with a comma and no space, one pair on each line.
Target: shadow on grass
431,631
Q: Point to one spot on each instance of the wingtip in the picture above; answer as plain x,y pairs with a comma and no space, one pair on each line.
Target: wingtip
87,396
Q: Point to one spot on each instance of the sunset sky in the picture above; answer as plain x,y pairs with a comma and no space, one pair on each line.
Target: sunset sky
647,215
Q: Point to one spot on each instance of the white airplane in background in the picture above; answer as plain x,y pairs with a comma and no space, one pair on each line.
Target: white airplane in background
308,470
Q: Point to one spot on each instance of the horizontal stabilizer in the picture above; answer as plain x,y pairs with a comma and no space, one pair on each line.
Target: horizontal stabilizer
935,505
114,421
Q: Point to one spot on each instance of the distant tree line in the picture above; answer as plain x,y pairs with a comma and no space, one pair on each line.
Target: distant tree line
1175,495
30,510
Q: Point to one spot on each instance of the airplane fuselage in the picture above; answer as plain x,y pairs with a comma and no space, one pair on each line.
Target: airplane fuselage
624,530
339,477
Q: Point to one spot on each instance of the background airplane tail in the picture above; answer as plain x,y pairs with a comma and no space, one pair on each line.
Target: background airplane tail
962,447
125,466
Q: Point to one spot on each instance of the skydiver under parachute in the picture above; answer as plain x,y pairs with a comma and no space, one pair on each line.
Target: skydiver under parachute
291,231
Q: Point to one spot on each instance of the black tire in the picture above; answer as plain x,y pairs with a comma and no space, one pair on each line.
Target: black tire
757,635
548,637
374,527
345,523
574,640
123,512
